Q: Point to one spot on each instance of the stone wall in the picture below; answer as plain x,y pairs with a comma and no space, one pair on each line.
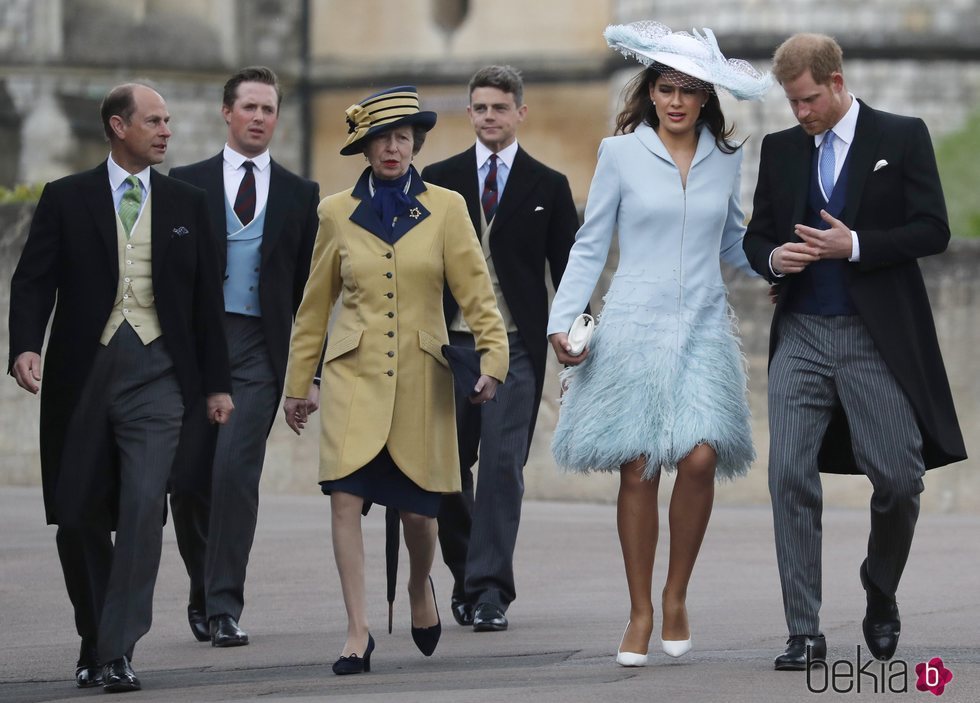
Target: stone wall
291,462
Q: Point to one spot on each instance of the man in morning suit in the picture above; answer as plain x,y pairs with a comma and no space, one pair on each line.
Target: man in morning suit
524,214
845,205
264,221
124,257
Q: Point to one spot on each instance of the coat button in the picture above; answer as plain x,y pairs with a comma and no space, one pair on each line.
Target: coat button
388,255
389,295
391,314
390,372
389,274
391,334
391,354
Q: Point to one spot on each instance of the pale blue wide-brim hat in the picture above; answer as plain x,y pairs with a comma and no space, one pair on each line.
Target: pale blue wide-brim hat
697,55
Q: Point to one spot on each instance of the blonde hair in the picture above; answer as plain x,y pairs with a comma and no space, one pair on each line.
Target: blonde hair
818,53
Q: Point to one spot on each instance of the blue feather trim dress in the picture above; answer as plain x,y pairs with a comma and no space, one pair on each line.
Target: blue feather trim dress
665,371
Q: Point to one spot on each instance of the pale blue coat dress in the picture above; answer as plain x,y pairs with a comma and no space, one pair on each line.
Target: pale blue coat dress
665,370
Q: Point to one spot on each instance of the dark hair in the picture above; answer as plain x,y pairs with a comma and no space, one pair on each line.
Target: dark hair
639,108
418,138
504,78
118,101
250,74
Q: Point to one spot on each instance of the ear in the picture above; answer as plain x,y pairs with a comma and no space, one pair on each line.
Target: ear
225,113
522,112
118,126
837,81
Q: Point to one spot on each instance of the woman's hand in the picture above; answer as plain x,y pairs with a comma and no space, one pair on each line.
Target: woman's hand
485,389
295,410
559,342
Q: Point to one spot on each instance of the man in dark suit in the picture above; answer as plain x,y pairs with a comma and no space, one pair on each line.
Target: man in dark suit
525,217
124,256
264,221
845,205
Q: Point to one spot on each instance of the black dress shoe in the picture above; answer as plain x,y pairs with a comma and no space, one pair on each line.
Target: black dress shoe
88,673
462,611
801,650
226,633
198,621
118,676
354,664
426,638
489,618
881,624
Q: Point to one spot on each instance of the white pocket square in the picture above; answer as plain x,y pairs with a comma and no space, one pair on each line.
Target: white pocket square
538,208
880,165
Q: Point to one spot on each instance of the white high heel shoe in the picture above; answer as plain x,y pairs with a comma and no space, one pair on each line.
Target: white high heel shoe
676,648
629,658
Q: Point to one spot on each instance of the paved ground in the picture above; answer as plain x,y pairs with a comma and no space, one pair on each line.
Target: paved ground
565,625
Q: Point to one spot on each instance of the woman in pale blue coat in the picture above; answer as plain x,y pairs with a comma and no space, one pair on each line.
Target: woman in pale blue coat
662,384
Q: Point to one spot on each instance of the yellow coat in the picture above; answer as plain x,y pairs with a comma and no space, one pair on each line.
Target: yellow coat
384,379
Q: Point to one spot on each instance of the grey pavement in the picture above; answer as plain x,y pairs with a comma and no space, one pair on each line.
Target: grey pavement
565,624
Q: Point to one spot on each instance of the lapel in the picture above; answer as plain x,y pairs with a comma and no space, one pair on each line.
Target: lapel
799,164
365,216
213,182
163,203
523,176
648,138
463,180
275,210
861,157
98,200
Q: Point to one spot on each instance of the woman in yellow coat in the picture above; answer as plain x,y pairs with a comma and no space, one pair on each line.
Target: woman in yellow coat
387,248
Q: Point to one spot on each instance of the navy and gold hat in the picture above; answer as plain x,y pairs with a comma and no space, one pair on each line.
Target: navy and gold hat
382,111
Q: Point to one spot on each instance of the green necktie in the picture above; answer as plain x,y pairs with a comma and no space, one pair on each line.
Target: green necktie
129,206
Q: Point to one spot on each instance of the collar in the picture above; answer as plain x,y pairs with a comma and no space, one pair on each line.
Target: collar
364,189
506,155
235,160
844,129
117,174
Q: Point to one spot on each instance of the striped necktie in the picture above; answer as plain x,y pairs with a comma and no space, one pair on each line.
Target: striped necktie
489,197
245,200
129,206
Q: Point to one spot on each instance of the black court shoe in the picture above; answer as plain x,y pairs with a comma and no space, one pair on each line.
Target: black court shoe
354,664
427,638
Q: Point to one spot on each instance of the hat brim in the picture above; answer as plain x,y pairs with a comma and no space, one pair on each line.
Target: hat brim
423,119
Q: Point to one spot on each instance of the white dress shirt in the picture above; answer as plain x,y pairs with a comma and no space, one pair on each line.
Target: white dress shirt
235,172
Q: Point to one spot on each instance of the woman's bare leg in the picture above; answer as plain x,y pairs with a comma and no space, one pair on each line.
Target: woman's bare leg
637,519
348,551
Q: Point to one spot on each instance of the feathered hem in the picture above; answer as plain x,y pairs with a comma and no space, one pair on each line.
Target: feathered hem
632,399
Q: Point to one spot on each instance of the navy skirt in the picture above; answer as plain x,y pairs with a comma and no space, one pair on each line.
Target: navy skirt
381,481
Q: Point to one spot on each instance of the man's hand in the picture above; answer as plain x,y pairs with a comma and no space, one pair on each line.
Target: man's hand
484,390
313,399
793,257
833,243
295,410
27,371
559,342
220,408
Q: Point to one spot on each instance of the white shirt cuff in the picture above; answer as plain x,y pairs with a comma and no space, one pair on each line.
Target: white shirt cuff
771,269
855,247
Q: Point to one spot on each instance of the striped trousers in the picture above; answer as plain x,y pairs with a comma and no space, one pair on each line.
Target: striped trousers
822,363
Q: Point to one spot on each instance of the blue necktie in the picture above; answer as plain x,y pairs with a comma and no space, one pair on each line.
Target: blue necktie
826,165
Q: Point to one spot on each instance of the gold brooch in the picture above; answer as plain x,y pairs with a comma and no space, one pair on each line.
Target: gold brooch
415,213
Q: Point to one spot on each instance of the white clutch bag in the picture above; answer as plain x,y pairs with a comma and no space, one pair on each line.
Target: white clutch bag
580,333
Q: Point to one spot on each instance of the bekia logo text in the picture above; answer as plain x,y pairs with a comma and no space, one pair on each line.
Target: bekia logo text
868,675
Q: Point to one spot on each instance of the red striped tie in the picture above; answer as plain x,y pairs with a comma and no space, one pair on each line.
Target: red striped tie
489,198
245,201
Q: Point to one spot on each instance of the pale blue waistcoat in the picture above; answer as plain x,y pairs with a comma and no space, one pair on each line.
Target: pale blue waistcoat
244,259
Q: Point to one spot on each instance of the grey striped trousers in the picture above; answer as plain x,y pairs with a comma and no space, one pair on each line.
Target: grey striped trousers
821,362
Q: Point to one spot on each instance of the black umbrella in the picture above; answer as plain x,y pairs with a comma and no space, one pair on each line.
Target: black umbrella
392,539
